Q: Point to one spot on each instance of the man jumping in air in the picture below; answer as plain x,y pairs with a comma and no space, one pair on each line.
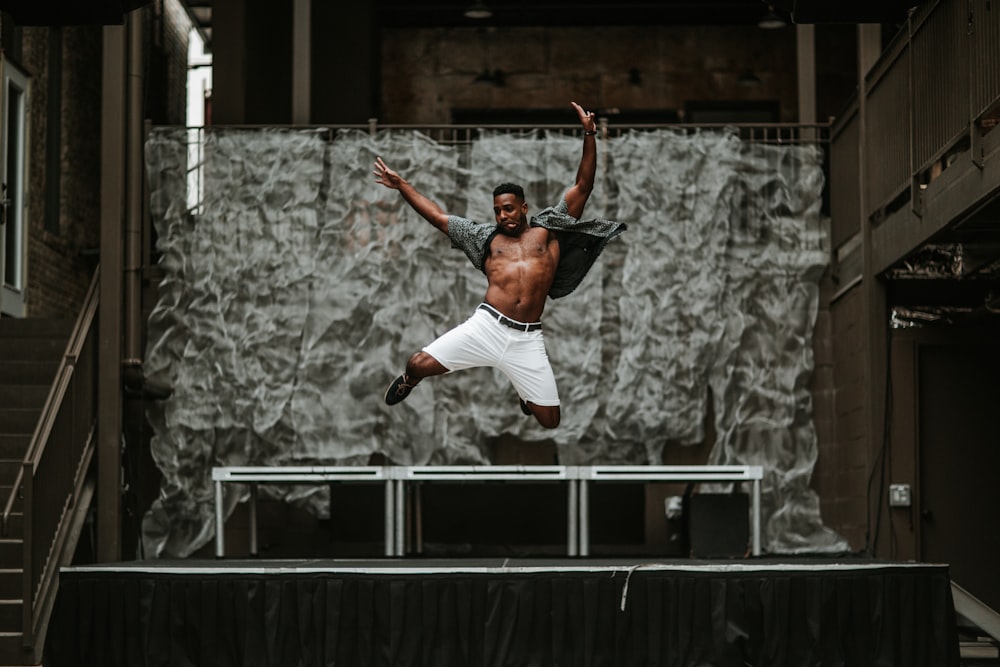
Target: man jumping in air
523,262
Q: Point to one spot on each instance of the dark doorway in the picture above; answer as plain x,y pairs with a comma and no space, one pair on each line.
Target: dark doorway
959,387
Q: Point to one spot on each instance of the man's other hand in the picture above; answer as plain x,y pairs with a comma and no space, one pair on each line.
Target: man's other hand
385,176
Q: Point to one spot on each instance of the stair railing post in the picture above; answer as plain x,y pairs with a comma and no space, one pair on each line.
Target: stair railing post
27,569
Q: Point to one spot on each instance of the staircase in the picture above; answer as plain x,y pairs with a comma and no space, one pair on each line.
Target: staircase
30,353
978,629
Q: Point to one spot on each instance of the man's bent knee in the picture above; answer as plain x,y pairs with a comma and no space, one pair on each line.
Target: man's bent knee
547,415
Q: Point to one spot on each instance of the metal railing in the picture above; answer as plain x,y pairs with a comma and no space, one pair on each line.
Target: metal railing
460,134
53,473
927,98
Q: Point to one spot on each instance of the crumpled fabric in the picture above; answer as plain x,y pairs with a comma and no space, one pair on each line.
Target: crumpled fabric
295,288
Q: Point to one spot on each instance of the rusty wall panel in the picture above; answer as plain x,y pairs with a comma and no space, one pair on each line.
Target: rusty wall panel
984,54
888,163
844,491
844,183
939,46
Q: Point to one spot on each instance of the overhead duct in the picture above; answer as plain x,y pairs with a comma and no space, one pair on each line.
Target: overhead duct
823,11
59,12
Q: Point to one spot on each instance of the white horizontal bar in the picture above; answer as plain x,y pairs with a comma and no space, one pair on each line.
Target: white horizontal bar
297,473
693,473
510,473
674,473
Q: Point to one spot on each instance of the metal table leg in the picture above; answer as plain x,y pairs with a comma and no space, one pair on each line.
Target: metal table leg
253,519
390,519
220,539
572,518
756,517
400,517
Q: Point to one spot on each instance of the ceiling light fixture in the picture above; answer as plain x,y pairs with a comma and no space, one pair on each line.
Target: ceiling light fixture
495,77
771,21
478,10
748,79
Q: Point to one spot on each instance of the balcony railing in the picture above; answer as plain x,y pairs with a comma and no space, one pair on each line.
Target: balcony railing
928,98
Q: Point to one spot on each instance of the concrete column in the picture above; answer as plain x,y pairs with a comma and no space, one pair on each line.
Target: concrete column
302,62
228,62
252,62
109,355
805,47
875,310
346,62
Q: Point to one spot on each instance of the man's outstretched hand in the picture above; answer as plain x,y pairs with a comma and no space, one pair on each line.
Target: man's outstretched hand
385,176
587,118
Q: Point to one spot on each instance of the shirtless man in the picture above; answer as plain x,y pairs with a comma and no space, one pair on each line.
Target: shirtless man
521,262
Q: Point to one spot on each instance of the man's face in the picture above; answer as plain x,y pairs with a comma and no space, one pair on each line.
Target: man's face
510,212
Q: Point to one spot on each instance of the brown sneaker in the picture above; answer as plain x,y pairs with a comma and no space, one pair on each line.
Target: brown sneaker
399,390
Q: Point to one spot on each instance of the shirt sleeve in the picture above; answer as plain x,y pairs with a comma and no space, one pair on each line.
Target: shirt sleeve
470,237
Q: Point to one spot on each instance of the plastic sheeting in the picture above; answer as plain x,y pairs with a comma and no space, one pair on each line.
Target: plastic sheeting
296,288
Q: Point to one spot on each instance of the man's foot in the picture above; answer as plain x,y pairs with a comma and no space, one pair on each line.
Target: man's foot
524,406
399,389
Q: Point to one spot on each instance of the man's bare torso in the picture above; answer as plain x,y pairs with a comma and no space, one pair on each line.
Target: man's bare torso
520,270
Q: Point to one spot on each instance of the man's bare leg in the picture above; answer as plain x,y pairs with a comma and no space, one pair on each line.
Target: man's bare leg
422,365
419,366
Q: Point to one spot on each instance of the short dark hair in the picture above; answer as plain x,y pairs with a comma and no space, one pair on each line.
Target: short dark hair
509,188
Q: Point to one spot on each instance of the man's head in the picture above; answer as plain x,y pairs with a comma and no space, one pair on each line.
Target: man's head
509,208
509,188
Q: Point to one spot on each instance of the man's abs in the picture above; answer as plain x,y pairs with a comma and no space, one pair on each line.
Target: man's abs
520,273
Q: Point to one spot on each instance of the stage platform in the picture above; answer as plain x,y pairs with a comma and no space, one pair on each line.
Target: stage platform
569,612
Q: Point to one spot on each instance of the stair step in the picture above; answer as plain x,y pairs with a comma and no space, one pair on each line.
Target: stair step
10,554
11,651
978,650
10,615
16,507
29,371
18,421
11,584
15,524
27,327
8,470
33,348
14,446
16,396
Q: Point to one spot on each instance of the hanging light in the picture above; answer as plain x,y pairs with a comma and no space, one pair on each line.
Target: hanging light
748,79
478,10
495,77
771,21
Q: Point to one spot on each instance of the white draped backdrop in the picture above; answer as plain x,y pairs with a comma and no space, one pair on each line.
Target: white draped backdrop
295,289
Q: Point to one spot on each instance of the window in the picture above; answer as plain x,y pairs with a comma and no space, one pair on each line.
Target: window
13,151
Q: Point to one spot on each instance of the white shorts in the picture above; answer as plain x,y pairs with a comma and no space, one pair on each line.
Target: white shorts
483,341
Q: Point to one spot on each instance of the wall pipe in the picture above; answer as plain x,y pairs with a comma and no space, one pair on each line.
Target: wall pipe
133,197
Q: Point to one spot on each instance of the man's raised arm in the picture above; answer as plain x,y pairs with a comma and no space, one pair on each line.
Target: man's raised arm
576,196
421,204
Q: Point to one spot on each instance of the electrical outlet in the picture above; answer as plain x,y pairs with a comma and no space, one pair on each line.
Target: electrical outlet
899,495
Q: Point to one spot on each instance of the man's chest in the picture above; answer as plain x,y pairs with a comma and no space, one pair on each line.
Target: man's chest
534,244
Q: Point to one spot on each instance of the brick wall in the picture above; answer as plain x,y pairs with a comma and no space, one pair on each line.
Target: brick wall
61,258
428,72
842,476
59,268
